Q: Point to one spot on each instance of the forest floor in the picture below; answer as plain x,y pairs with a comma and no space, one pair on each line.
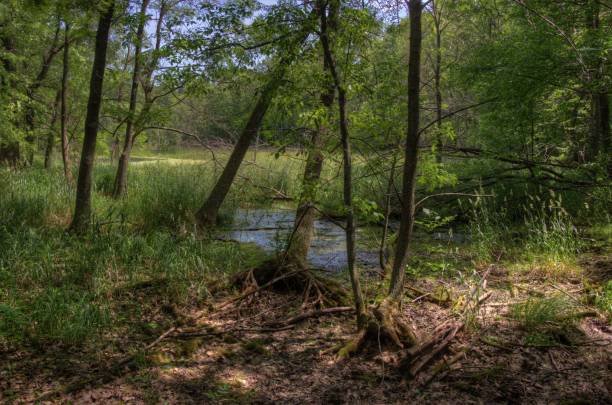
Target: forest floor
81,317
235,359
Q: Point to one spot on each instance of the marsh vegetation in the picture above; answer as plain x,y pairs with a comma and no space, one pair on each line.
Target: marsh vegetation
305,202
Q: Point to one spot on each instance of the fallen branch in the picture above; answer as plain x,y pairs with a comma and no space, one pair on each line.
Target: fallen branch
446,337
186,335
442,368
311,314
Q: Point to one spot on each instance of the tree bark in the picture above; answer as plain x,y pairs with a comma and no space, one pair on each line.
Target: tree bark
64,107
114,149
437,79
305,216
122,169
82,211
383,258
207,214
360,310
51,136
411,152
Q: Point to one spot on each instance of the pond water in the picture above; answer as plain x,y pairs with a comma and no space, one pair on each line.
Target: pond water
269,229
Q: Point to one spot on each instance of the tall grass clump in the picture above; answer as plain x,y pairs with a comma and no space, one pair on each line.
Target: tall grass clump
550,231
33,197
542,313
165,196
545,320
488,228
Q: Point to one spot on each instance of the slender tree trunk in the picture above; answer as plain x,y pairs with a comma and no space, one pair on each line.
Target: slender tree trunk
305,216
207,214
382,253
82,211
411,153
122,169
437,79
347,170
147,83
114,148
64,107
604,116
47,59
51,136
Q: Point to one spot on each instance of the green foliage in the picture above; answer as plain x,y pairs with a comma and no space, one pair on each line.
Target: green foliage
367,211
545,231
431,220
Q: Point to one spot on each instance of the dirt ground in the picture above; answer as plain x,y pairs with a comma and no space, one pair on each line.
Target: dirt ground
237,359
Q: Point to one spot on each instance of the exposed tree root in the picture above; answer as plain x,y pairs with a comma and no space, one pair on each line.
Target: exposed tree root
317,291
383,325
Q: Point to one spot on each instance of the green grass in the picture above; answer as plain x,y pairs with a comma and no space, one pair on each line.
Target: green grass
57,288
546,321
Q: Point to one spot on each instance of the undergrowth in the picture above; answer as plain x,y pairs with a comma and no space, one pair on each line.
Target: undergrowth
63,289
546,321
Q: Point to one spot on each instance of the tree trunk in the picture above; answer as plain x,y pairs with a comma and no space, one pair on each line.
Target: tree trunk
147,83
383,252
305,216
347,168
437,79
604,116
51,136
207,214
82,211
48,57
122,169
64,107
411,153
114,148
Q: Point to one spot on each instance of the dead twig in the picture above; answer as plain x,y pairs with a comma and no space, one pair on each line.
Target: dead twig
311,314
446,337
